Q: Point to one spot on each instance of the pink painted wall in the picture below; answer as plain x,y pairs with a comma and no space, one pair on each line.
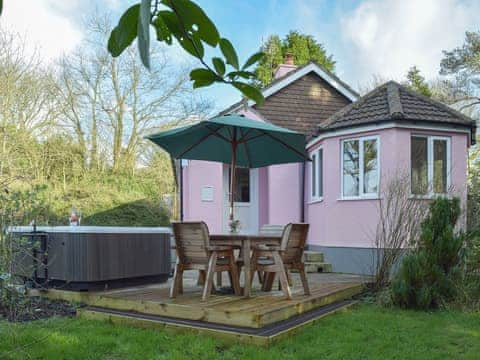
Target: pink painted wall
283,69
284,193
352,223
196,175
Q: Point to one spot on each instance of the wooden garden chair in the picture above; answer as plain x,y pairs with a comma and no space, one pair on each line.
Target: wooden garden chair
194,252
280,259
268,230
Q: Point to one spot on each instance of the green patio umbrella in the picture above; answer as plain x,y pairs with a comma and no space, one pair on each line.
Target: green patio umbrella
234,140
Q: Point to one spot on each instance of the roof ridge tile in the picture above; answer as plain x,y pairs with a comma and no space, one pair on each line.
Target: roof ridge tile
394,103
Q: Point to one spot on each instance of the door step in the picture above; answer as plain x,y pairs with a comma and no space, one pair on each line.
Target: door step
261,336
315,262
313,256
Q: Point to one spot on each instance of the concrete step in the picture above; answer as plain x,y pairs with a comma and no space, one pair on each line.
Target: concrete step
316,267
313,256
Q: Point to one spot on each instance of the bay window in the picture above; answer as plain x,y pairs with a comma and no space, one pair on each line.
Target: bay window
360,167
430,165
317,175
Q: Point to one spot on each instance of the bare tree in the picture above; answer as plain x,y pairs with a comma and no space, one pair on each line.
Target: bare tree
375,81
111,103
399,225
28,102
28,98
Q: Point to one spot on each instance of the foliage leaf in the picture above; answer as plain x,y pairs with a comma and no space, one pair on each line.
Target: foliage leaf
192,45
219,65
1,6
250,91
162,30
125,32
202,77
229,52
194,19
144,32
243,74
253,59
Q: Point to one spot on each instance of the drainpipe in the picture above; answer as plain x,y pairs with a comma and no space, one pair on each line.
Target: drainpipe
181,188
302,200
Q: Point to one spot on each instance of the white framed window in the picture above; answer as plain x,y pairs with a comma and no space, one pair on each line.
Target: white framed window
316,181
360,167
430,165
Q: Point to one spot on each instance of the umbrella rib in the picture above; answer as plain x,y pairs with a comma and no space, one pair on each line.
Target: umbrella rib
286,145
242,139
212,132
252,138
193,145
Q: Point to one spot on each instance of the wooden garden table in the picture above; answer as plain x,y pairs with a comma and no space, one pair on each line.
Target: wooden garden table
245,242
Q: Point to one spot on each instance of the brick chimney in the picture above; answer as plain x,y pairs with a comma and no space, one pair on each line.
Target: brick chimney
287,66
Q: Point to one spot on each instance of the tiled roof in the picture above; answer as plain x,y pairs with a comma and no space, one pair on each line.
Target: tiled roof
234,106
303,104
394,102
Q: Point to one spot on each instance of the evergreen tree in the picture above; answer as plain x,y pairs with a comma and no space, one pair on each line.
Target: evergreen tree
417,82
304,48
272,48
428,275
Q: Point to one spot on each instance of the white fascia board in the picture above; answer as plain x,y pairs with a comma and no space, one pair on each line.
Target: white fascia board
383,126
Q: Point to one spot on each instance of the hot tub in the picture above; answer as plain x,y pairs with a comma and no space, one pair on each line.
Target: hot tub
92,257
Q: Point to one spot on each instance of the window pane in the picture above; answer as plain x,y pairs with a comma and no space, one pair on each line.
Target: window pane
419,171
242,185
350,168
320,173
314,175
370,166
440,166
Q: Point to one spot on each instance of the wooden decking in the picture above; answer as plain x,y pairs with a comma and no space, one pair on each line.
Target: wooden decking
262,309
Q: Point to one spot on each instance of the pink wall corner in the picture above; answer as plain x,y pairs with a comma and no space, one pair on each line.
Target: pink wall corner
284,193
458,161
352,223
196,175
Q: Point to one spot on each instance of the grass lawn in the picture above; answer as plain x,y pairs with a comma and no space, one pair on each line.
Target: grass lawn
363,332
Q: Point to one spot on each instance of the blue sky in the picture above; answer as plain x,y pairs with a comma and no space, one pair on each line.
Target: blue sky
366,37
248,23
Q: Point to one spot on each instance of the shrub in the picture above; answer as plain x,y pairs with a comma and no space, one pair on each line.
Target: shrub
470,286
429,274
16,208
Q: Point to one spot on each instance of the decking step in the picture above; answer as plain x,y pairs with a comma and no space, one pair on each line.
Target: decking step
313,256
261,336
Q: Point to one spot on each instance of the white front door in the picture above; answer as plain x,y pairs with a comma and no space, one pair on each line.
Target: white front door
245,206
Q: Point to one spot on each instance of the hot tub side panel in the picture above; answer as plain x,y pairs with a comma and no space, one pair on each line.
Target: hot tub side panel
95,257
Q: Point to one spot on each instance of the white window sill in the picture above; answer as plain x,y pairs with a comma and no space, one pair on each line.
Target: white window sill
429,196
357,198
315,201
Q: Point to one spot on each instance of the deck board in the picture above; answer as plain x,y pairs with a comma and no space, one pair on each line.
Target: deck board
261,309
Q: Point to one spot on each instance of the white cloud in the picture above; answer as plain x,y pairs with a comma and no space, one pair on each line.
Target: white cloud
386,37
44,24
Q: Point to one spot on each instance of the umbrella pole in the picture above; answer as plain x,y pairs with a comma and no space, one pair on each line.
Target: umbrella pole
233,173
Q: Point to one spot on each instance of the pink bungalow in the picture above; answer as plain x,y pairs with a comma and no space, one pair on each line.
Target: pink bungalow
392,128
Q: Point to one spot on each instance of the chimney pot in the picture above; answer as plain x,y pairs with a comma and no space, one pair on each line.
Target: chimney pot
289,59
287,66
